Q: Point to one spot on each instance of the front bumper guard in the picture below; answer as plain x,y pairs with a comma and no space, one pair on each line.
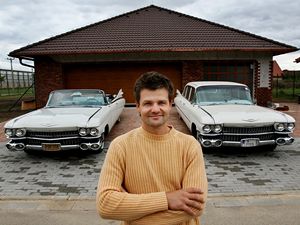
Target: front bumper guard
219,142
11,146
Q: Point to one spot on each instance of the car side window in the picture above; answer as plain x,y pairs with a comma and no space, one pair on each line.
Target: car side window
184,91
187,92
191,96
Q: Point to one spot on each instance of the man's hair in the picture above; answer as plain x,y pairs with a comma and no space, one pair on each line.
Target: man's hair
153,81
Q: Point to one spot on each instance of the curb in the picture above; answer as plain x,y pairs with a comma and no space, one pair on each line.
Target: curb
210,195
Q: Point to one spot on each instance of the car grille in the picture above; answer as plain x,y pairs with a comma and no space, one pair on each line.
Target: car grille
235,134
262,137
75,141
247,130
56,134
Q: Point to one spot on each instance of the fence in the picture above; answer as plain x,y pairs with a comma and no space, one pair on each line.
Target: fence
287,87
16,82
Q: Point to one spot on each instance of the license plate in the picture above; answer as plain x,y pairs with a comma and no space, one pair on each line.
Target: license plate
249,142
53,147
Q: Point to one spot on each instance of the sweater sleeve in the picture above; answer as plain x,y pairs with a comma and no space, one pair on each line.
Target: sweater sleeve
195,176
113,202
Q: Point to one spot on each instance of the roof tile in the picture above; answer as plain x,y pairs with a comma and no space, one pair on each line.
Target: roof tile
151,29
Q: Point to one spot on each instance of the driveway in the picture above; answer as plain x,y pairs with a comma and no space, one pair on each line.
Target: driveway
76,175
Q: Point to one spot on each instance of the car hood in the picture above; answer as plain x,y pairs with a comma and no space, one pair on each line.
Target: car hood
54,118
252,114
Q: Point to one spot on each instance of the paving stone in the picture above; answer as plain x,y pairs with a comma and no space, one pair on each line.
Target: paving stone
70,175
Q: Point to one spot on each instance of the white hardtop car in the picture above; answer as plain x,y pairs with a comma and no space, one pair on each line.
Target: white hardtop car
222,113
71,119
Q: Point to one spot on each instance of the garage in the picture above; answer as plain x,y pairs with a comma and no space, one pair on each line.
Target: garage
237,71
112,53
113,76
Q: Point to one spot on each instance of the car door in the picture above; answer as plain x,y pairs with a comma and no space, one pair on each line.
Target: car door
185,104
116,107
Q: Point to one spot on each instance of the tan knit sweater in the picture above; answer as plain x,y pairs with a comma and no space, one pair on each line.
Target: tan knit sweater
138,171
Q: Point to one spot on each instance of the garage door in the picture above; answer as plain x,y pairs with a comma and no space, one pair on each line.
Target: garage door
114,76
236,71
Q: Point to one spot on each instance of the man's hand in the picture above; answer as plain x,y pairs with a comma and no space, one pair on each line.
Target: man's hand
186,200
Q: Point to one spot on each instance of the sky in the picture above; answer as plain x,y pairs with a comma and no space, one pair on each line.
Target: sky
24,22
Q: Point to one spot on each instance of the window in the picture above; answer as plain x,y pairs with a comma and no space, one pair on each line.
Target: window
191,95
185,91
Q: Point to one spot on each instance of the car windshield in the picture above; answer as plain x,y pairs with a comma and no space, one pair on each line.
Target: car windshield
223,95
76,98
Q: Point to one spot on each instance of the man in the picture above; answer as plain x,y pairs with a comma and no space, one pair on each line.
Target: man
153,174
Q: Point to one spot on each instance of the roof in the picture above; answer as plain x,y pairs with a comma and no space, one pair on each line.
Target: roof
277,72
151,29
197,84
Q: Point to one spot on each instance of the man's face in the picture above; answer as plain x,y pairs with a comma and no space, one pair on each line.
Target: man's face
154,108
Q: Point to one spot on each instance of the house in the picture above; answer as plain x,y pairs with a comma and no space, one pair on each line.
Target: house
112,53
277,72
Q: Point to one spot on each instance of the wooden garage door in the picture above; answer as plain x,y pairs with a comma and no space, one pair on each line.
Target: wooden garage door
236,71
114,76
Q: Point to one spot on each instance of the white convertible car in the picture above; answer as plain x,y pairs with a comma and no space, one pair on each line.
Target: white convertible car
223,114
71,119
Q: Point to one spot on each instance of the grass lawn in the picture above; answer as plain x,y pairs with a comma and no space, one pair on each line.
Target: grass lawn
286,94
7,102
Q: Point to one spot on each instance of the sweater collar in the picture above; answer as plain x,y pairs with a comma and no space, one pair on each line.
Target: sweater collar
158,137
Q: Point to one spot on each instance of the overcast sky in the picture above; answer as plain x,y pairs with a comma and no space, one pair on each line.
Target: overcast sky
24,22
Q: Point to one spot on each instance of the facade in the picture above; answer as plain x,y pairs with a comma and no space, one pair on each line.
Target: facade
112,53
277,72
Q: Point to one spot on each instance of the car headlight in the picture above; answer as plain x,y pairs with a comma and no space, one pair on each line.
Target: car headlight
206,128
94,131
83,131
9,132
20,132
279,126
290,126
217,128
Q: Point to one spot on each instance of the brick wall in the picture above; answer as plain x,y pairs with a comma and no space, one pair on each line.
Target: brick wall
263,95
48,77
191,71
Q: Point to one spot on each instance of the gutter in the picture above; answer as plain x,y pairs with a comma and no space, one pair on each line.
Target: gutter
24,64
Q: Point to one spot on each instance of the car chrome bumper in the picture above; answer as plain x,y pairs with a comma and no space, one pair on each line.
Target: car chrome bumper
218,142
12,146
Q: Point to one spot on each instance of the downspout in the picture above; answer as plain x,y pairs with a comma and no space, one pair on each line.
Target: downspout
24,64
